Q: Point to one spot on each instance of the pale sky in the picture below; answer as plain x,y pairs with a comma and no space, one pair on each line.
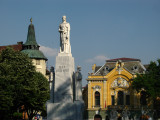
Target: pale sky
100,29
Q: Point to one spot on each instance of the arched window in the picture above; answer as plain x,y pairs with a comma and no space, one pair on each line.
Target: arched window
97,99
120,98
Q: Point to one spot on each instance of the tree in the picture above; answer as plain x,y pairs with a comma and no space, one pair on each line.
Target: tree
38,95
149,82
20,84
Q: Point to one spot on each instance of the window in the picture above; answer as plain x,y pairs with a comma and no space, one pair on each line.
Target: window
37,62
97,99
127,99
113,100
120,98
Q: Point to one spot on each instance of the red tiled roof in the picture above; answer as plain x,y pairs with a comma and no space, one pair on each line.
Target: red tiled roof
17,47
123,59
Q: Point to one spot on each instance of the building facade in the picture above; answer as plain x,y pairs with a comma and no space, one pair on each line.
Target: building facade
110,94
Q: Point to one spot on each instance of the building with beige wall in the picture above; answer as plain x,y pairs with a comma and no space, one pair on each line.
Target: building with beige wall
31,48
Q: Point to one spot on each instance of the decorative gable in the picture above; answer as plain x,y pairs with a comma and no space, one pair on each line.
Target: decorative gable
120,82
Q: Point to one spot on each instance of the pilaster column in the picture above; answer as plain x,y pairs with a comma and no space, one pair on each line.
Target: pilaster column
104,93
89,94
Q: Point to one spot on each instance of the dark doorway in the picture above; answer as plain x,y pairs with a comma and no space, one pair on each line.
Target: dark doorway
127,99
113,99
120,98
143,98
97,117
97,99
119,118
107,118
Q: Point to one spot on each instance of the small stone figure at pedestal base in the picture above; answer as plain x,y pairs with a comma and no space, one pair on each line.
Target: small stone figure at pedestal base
78,94
78,84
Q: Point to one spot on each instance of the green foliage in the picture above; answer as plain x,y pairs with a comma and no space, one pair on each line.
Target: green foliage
17,115
20,84
150,81
38,94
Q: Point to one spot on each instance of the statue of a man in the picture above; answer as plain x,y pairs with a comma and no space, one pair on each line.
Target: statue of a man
78,84
64,29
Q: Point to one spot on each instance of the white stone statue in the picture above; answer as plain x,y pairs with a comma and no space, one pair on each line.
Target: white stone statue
78,84
64,29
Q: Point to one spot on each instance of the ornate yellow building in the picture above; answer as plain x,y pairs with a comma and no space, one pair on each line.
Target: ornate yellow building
110,94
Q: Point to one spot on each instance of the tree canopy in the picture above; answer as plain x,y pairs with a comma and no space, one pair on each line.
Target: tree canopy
20,84
150,81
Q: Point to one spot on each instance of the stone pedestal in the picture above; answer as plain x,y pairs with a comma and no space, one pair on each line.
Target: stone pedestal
65,111
64,71
60,111
61,105
79,110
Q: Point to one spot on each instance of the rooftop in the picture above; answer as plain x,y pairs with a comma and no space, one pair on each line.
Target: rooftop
16,47
123,59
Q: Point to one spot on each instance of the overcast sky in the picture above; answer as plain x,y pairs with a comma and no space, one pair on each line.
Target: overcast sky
100,29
